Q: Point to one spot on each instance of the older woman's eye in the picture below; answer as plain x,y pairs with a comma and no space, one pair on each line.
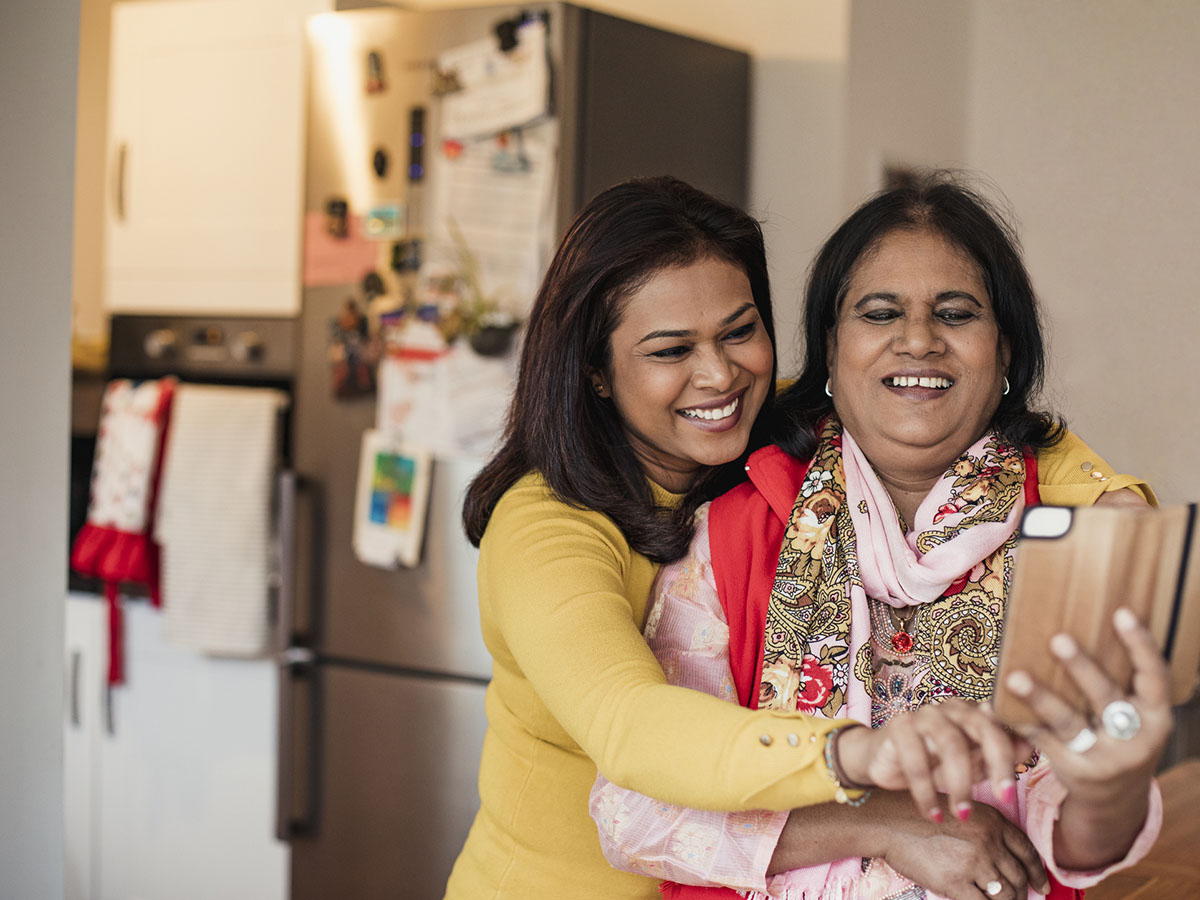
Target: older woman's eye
956,316
881,316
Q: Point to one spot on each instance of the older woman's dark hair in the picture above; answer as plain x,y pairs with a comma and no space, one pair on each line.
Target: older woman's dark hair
942,203
557,425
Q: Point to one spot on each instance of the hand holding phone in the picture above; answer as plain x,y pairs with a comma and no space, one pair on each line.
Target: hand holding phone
1074,568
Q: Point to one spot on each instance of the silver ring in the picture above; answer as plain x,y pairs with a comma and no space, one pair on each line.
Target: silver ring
1120,720
1084,741
992,888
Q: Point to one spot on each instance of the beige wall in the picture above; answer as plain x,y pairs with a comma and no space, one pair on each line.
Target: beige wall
907,87
1088,115
1083,113
799,29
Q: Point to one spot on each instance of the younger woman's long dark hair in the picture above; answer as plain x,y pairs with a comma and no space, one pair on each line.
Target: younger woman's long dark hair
940,201
557,425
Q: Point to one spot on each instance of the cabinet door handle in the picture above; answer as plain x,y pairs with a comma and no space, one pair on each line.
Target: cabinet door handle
76,663
110,725
119,187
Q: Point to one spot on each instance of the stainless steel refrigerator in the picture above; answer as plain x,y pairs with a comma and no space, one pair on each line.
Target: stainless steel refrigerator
382,715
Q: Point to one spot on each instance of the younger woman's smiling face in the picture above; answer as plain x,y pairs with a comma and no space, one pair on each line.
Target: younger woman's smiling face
690,368
916,360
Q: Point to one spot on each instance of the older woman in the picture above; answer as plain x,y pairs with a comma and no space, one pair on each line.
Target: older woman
862,571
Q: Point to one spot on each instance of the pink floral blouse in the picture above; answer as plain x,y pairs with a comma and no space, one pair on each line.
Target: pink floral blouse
687,631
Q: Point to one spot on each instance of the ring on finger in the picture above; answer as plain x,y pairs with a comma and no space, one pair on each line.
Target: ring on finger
1121,720
1084,741
993,887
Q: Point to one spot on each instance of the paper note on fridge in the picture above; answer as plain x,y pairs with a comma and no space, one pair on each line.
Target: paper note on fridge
392,496
496,90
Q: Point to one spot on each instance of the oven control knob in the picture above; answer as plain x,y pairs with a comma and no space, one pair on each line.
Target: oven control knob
247,346
160,343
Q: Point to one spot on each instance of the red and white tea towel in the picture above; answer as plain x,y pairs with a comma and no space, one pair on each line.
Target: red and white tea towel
215,518
115,543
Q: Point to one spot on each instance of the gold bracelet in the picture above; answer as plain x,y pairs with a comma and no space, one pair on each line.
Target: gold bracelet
843,784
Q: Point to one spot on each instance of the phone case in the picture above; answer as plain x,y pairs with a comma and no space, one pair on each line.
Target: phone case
1074,567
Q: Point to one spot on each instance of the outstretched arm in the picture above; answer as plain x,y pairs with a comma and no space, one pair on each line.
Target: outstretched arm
686,630
1106,806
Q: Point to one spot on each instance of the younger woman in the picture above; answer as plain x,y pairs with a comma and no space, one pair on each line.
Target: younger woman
648,359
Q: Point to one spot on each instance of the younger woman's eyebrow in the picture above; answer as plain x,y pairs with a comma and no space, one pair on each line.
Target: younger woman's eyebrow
684,333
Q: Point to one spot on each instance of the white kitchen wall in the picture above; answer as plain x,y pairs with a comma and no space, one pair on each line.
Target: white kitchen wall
38,44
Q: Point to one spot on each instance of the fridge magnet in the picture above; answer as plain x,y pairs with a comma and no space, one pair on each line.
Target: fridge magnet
375,82
445,81
509,154
335,217
351,353
385,222
380,161
392,497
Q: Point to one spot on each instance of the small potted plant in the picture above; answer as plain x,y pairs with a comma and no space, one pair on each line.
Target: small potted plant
488,326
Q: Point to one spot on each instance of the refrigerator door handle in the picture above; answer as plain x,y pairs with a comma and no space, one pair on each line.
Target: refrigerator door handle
285,556
295,810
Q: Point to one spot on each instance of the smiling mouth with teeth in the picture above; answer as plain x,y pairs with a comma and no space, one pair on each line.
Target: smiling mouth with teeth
924,381
713,415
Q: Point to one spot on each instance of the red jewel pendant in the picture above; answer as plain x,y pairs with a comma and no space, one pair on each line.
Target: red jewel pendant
902,642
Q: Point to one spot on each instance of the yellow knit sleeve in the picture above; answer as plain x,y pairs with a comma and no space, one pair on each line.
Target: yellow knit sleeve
1072,474
562,601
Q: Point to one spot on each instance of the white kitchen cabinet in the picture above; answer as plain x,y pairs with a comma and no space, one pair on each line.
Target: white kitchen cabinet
85,658
205,147
177,800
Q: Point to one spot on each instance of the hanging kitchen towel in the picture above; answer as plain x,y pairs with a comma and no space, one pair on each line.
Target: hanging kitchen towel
115,543
214,520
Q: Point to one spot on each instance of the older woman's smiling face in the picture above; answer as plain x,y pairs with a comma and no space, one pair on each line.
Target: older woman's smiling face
916,360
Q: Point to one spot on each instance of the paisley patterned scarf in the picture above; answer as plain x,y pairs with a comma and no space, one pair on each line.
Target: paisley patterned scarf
844,543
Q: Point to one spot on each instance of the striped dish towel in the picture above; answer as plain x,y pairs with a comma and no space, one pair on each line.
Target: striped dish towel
215,518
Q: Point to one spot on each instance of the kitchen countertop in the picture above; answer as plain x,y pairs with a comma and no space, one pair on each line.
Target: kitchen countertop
1171,871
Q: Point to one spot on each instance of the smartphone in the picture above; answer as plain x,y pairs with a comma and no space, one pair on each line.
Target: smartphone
1073,568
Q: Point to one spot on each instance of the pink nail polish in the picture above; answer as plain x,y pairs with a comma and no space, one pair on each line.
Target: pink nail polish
963,811
936,815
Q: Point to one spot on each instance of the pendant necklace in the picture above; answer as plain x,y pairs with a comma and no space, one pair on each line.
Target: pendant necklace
904,623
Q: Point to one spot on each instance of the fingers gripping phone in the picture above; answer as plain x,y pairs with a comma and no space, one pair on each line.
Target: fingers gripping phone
1074,567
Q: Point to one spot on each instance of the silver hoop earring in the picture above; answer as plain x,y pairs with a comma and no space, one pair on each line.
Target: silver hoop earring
828,392
1006,385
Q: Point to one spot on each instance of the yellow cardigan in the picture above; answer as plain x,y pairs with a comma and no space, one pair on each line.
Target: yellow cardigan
574,686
